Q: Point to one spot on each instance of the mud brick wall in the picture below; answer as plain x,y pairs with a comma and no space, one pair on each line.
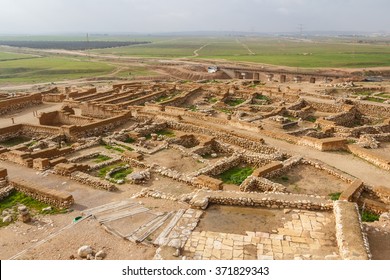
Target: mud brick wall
66,169
94,96
100,111
95,129
369,156
50,196
94,182
146,98
352,243
10,132
207,182
16,103
77,94
182,98
325,144
55,98
58,118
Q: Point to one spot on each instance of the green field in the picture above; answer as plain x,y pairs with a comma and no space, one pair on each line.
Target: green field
48,69
313,53
17,68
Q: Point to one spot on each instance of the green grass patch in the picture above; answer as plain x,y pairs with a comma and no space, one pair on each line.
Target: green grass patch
129,140
121,174
103,171
311,119
212,100
17,198
334,196
369,217
365,93
14,141
193,108
236,175
262,97
166,132
291,118
234,102
114,148
284,178
101,158
374,99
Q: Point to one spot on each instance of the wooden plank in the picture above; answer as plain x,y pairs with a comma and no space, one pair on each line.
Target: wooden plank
149,228
161,239
105,213
108,206
123,214
112,231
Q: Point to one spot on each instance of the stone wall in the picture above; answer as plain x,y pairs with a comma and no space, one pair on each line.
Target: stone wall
55,98
256,184
352,242
324,144
369,156
17,103
6,192
267,200
94,182
377,110
58,118
50,196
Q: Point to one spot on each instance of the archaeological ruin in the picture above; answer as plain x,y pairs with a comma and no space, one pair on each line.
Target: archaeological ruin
245,165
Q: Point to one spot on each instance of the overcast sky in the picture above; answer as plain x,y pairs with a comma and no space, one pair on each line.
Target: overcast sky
150,16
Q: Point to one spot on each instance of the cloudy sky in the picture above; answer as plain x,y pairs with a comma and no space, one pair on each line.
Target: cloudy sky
150,16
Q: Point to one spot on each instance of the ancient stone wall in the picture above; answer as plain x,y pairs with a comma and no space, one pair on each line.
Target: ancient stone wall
6,192
377,110
55,98
58,118
16,103
94,182
369,156
50,196
256,184
352,242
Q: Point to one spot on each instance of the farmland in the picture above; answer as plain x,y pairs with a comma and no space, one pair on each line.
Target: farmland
48,69
313,53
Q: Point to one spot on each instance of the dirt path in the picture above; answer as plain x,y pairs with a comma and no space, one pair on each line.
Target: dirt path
196,52
250,52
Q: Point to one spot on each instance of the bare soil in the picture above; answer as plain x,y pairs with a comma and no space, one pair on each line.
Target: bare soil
305,179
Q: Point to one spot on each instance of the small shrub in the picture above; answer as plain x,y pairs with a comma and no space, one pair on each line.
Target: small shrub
335,196
369,217
284,178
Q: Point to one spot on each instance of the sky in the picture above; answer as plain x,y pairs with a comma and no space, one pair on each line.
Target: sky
154,16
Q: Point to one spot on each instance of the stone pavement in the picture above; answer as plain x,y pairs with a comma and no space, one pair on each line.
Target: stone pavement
308,235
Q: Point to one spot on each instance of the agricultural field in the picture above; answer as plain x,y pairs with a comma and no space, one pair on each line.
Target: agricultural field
48,69
277,51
